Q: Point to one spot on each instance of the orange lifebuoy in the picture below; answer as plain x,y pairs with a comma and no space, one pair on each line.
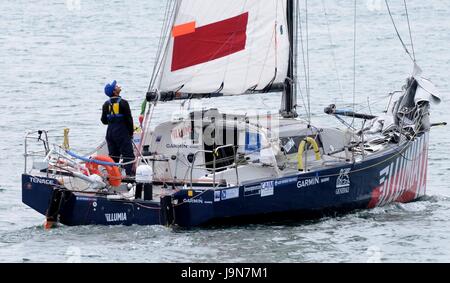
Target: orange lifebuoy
114,175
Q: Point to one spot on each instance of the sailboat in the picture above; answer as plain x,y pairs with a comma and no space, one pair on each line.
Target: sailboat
212,167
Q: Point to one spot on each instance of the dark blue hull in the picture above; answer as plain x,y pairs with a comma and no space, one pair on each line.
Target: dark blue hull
398,175
75,209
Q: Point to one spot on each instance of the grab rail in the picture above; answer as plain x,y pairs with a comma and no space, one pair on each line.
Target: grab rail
39,138
215,154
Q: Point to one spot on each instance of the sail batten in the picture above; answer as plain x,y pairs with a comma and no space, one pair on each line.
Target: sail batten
233,47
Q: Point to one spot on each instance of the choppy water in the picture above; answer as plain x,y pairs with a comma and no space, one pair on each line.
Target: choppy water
55,57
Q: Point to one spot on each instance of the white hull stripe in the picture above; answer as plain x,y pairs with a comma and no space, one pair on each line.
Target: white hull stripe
405,178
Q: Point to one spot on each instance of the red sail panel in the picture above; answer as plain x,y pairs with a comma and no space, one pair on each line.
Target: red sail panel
210,42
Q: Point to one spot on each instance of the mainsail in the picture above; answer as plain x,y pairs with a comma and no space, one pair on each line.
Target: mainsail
229,47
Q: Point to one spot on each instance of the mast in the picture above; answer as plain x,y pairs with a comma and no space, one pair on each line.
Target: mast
289,102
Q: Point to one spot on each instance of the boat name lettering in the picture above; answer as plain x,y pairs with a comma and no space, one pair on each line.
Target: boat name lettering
36,180
308,182
116,217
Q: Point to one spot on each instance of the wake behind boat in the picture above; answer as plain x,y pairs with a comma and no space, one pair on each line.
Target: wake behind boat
209,166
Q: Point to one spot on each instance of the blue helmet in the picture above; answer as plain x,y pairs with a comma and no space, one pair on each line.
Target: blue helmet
109,89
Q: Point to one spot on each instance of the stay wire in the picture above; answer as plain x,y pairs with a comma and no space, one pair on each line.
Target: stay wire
354,57
410,30
398,33
304,63
332,49
308,90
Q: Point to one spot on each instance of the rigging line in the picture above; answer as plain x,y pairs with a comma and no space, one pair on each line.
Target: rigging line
161,40
333,53
165,27
167,43
303,58
295,71
398,33
308,92
299,27
410,32
170,22
308,89
354,59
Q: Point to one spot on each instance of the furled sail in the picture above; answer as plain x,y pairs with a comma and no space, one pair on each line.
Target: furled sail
229,47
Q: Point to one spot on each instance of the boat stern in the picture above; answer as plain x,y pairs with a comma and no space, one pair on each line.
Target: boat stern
37,192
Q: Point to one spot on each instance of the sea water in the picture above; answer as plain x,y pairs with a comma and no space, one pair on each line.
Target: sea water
56,56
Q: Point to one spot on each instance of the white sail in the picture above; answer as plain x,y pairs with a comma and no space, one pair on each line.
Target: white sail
227,46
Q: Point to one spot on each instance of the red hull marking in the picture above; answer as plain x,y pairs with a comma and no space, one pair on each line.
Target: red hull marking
376,194
392,182
210,42
407,190
411,193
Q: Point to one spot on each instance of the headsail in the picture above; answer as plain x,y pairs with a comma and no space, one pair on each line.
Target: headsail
230,47
427,90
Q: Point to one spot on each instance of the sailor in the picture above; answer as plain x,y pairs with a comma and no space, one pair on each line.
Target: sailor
117,115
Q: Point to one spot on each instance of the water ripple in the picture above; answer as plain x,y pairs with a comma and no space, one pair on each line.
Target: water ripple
59,59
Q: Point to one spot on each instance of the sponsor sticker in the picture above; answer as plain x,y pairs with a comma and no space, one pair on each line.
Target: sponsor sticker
217,196
343,179
286,181
194,200
252,191
289,145
87,199
116,217
343,182
343,191
267,189
305,183
230,194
